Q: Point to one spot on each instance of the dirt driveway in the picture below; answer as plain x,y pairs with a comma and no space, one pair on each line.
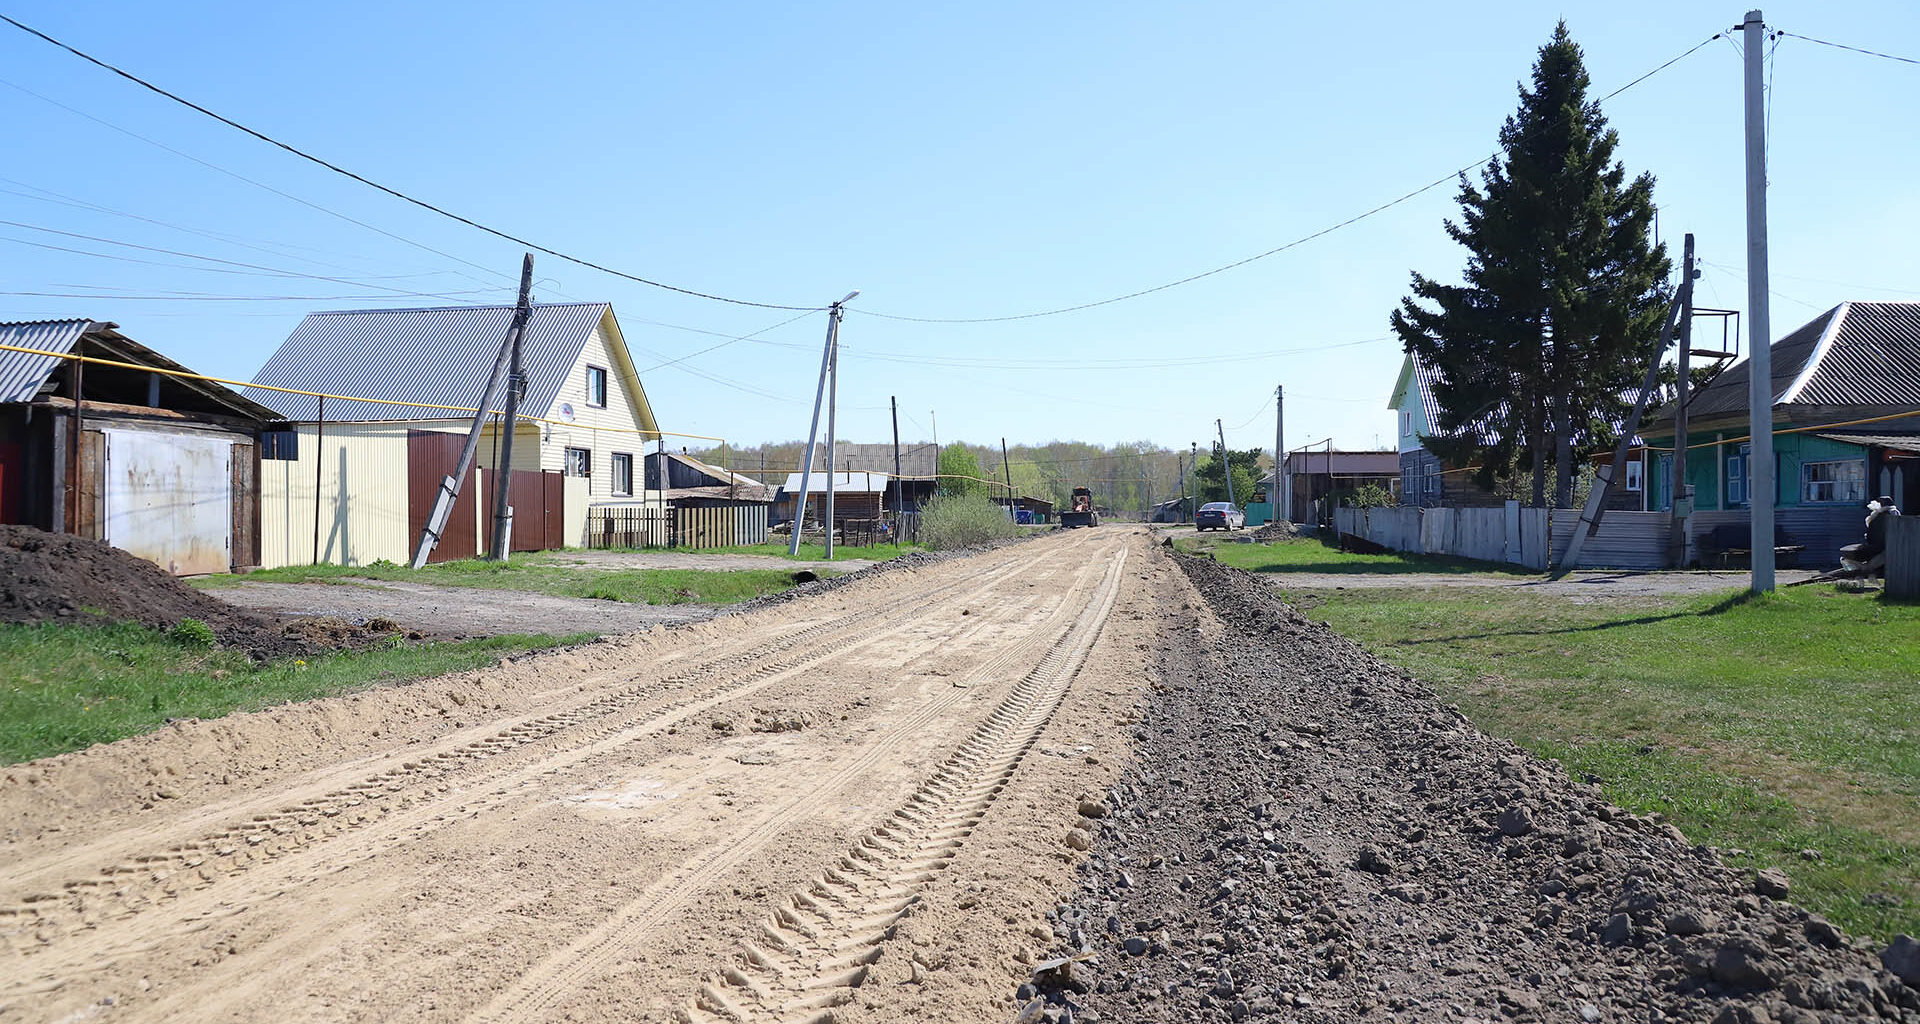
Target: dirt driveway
458,612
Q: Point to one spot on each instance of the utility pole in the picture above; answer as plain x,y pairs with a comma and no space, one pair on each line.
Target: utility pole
516,384
1193,470
1760,484
1282,506
1681,495
1006,469
897,506
834,313
1226,465
450,485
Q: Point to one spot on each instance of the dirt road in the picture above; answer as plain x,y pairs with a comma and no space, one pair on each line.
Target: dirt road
745,818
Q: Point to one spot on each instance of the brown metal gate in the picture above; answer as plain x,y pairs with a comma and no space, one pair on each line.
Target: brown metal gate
431,458
539,502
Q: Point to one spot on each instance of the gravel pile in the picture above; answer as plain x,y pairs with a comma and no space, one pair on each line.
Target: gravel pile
1309,834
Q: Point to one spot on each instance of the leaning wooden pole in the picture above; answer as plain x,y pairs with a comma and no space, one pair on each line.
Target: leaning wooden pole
1603,485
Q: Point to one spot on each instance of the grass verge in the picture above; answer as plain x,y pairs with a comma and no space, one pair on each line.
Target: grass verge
635,586
1770,726
1306,554
70,687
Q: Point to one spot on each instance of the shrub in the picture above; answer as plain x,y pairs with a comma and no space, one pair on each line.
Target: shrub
1369,496
963,520
193,633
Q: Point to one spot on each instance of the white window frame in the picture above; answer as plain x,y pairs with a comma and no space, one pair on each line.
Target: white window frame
1406,423
613,474
586,462
1833,495
604,386
1636,471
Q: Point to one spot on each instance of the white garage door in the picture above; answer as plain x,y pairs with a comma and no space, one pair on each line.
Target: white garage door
170,499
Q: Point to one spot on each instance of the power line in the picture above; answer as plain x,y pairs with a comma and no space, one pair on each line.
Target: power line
396,193
1855,49
245,267
729,341
1383,207
257,184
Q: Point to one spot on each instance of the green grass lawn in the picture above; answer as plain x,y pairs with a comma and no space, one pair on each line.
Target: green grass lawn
68,687
635,586
808,552
1772,725
1305,554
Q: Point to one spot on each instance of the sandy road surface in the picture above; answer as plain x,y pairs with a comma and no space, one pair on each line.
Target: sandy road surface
857,799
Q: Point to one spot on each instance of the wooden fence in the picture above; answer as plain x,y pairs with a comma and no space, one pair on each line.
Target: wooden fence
1903,557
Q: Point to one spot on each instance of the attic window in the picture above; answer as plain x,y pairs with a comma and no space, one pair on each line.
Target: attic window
597,386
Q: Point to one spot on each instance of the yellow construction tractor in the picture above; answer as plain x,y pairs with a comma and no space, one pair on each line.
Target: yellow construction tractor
1081,512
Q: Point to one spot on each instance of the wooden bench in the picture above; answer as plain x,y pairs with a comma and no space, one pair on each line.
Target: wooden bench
1727,541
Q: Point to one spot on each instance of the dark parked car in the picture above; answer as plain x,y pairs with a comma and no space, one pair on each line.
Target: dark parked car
1219,515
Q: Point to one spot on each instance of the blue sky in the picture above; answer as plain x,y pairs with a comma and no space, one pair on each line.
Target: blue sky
948,160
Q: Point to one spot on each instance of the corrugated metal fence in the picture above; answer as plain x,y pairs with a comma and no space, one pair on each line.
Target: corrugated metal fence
1903,557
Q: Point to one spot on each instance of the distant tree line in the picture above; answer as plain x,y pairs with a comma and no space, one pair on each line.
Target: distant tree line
1131,476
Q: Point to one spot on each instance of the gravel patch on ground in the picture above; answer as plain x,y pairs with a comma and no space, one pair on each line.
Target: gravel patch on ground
1310,834
457,612
621,560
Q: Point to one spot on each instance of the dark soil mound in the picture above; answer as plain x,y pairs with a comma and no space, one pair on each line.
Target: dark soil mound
1311,835
52,577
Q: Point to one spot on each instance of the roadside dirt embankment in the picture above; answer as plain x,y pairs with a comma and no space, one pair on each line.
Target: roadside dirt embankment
1310,834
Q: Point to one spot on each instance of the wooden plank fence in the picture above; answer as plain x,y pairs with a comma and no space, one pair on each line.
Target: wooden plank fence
649,526
1903,557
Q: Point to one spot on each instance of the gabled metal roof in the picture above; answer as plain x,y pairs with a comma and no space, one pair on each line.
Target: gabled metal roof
437,356
1859,354
21,374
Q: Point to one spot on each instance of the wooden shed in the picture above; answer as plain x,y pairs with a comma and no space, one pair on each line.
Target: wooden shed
118,446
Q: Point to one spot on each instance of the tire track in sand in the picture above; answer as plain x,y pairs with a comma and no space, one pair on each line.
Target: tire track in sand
534,995
303,836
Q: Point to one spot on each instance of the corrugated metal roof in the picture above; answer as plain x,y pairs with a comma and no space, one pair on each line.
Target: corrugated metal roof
1872,359
843,483
439,356
21,374
1898,442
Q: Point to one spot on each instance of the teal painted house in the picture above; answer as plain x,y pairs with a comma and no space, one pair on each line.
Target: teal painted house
1859,361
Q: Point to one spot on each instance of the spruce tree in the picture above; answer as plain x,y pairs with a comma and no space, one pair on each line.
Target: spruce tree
1562,294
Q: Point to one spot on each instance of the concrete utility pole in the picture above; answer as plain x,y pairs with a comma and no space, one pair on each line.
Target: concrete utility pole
1760,482
450,486
834,313
1226,464
502,547
1282,506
